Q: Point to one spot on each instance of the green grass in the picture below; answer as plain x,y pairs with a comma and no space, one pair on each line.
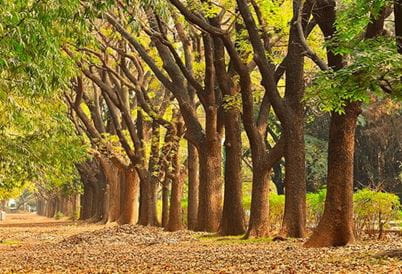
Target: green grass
9,242
217,239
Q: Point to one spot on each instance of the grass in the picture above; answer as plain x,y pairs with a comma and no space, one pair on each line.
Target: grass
217,239
9,242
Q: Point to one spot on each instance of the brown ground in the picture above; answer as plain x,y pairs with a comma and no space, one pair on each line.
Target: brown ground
33,244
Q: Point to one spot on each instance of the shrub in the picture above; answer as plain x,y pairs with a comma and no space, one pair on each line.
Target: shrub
58,215
315,207
75,216
373,210
276,210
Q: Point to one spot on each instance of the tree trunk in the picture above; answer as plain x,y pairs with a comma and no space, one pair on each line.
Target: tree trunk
165,203
193,186
259,211
129,199
112,174
175,211
277,178
398,23
143,218
336,225
233,219
210,191
152,199
294,220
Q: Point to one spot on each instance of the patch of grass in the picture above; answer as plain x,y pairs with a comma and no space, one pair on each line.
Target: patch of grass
9,242
217,239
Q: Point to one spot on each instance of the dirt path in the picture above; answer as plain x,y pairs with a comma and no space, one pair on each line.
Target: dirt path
33,244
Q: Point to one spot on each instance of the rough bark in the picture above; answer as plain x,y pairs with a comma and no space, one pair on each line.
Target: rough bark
165,203
129,204
210,191
259,211
193,186
233,219
336,225
112,174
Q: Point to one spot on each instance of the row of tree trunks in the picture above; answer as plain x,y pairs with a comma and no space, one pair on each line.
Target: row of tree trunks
110,192
63,205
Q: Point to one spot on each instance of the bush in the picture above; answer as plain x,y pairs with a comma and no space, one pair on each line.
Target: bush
315,207
75,216
373,210
276,210
58,215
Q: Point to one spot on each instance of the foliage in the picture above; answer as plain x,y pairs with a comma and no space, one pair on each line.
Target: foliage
38,141
375,65
316,161
373,210
276,210
58,215
31,36
352,18
315,206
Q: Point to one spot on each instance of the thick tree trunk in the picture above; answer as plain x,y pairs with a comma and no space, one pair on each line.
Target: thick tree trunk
336,225
259,211
233,219
93,198
87,201
175,212
148,215
129,198
294,220
193,186
210,191
143,218
152,200
112,174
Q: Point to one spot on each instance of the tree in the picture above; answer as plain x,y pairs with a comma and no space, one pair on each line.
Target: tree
336,226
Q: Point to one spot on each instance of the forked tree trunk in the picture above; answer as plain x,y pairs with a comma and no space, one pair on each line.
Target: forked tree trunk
210,191
336,225
193,187
129,204
259,211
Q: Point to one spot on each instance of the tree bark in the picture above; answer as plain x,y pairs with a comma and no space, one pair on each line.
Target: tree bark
112,174
210,191
259,211
233,218
336,225
165,203
129,204
193,186
294,220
